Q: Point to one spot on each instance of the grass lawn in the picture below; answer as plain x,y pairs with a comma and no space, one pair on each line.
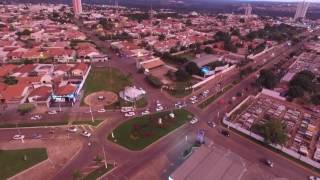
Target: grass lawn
139,132
60,123
98,172
105,79
13,161
212,98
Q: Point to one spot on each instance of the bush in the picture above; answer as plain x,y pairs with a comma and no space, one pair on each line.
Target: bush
25,108
154,81
295,91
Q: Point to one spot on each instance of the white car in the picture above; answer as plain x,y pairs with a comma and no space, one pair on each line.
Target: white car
193,120
52,112
86,134
18,137
36,117
73,129
193,98
159,108
194,101
129,114
127,109
146,112
101,111
314,178
206,91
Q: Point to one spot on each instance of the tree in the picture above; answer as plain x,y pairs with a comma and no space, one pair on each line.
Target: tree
222,36
154,81
267,79
273,131
208,50
192,68
25,108
77,175
189,22
97,159
315,99
10,80
303,81
182,75
295,91
162,37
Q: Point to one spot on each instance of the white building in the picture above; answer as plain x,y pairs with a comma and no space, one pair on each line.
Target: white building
77,7
302,9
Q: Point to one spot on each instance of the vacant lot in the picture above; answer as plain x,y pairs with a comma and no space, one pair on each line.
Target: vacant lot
105,79
15,161
140,132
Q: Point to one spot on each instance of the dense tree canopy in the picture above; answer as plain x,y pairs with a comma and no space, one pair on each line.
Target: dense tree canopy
273,131
267,79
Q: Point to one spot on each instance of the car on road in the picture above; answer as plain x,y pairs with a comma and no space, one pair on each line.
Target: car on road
18,137
211,124
159,108
36,117
314,178
52,112
194,120
269,163
146,112
194,101
73,129
225,133
127,109
101,111
129,114
86,134
36,136
193,98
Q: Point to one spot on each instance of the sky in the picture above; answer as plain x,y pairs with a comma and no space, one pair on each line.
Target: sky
284,0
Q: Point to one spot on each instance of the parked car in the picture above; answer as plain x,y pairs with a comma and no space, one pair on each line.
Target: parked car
86,134
73,129
52,112
146,112
36,117
211,124
36,136
18,137
129,114
194,101
194,120
101,111
269,163
225,133
314,178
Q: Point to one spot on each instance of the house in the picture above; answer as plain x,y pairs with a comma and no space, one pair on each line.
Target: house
64,94
40,96
79,69
15,94
7,69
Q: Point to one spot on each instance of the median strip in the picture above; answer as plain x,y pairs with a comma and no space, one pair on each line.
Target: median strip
212,98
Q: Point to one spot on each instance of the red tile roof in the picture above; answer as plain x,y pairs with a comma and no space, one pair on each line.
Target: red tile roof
65,90
81,66
14,92
6,69
42,92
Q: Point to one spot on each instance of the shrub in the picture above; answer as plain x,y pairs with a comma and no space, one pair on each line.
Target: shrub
25,108
154,81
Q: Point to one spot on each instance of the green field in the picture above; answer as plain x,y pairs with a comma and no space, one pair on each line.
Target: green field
212,98
139,132
105,79
15,161
98,172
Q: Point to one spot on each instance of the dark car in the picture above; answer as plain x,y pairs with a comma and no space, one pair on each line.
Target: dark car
225,133
211,124
269,163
